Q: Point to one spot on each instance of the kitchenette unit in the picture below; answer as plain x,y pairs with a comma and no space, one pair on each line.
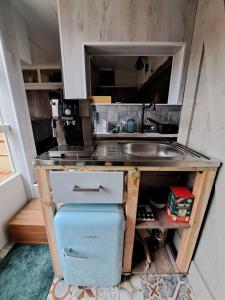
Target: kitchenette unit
115,173
118,190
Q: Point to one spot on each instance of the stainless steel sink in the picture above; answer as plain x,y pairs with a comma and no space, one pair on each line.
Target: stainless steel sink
151,150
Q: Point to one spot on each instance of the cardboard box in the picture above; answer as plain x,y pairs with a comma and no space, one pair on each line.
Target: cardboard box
180,202
100,99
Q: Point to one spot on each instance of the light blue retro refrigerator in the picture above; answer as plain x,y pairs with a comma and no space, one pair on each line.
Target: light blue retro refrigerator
90,243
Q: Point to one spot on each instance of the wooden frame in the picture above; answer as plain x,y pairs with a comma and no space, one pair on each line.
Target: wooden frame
202,187
48,213
175,49
133,182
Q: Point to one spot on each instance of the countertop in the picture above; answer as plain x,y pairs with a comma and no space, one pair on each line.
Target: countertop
134,135
110,152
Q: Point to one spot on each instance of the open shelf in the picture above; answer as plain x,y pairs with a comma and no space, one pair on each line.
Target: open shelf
163,262
116,86
161,221
43,86
46,77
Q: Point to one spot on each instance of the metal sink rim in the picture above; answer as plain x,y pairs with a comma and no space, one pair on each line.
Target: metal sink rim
174,154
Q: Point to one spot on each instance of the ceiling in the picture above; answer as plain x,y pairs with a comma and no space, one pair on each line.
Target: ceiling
42,25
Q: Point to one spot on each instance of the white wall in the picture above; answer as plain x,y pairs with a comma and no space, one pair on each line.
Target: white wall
202,128
23,44
10,203
13,100
127,20
42,25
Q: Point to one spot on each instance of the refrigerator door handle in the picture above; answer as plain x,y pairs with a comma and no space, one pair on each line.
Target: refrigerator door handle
70,253
76,188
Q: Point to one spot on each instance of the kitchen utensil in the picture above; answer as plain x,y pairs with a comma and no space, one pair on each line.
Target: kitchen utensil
158,197
165,128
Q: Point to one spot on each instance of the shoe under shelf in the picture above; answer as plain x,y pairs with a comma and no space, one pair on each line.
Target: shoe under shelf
162,262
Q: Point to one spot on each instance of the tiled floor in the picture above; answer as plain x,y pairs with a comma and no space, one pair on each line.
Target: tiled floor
137,287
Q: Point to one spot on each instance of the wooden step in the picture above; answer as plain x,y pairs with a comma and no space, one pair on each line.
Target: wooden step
28,225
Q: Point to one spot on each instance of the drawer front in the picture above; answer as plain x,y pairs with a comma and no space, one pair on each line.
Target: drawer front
87,187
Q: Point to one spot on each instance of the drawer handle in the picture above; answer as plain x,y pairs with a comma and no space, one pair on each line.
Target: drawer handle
76,188
70,253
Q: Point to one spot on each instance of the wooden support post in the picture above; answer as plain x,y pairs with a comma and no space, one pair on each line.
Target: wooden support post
48,213
133,182
202,188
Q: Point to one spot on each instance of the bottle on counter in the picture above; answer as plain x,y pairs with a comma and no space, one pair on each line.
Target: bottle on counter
131,124
104,123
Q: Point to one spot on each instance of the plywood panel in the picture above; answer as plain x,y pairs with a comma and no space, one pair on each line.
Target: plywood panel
127,20
203,128
200,129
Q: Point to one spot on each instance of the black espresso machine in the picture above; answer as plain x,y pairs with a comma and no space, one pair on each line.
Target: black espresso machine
72,127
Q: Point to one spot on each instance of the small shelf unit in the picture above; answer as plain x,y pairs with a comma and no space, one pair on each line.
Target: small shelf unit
163,260
45,77
161,222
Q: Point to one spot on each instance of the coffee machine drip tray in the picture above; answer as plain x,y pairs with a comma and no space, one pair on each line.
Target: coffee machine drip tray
63,151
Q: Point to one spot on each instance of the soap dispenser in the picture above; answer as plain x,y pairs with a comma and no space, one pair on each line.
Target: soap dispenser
130,124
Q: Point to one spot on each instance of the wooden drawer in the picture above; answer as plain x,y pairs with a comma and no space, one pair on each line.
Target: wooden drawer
87,187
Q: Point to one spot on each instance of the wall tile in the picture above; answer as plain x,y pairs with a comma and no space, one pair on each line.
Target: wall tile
117,113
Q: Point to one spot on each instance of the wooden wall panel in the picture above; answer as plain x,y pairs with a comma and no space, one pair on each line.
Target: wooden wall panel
127,20
202,127
39,104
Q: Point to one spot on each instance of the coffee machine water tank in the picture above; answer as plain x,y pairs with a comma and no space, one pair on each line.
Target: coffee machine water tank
90,241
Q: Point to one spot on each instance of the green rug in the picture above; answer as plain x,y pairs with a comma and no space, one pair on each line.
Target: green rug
26,273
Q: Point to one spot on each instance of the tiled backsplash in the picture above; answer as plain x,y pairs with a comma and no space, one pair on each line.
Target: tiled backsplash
117,113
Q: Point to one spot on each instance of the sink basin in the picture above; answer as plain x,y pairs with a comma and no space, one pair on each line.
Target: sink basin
152,149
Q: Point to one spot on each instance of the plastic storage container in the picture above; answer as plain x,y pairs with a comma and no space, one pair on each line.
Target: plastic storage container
90,243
